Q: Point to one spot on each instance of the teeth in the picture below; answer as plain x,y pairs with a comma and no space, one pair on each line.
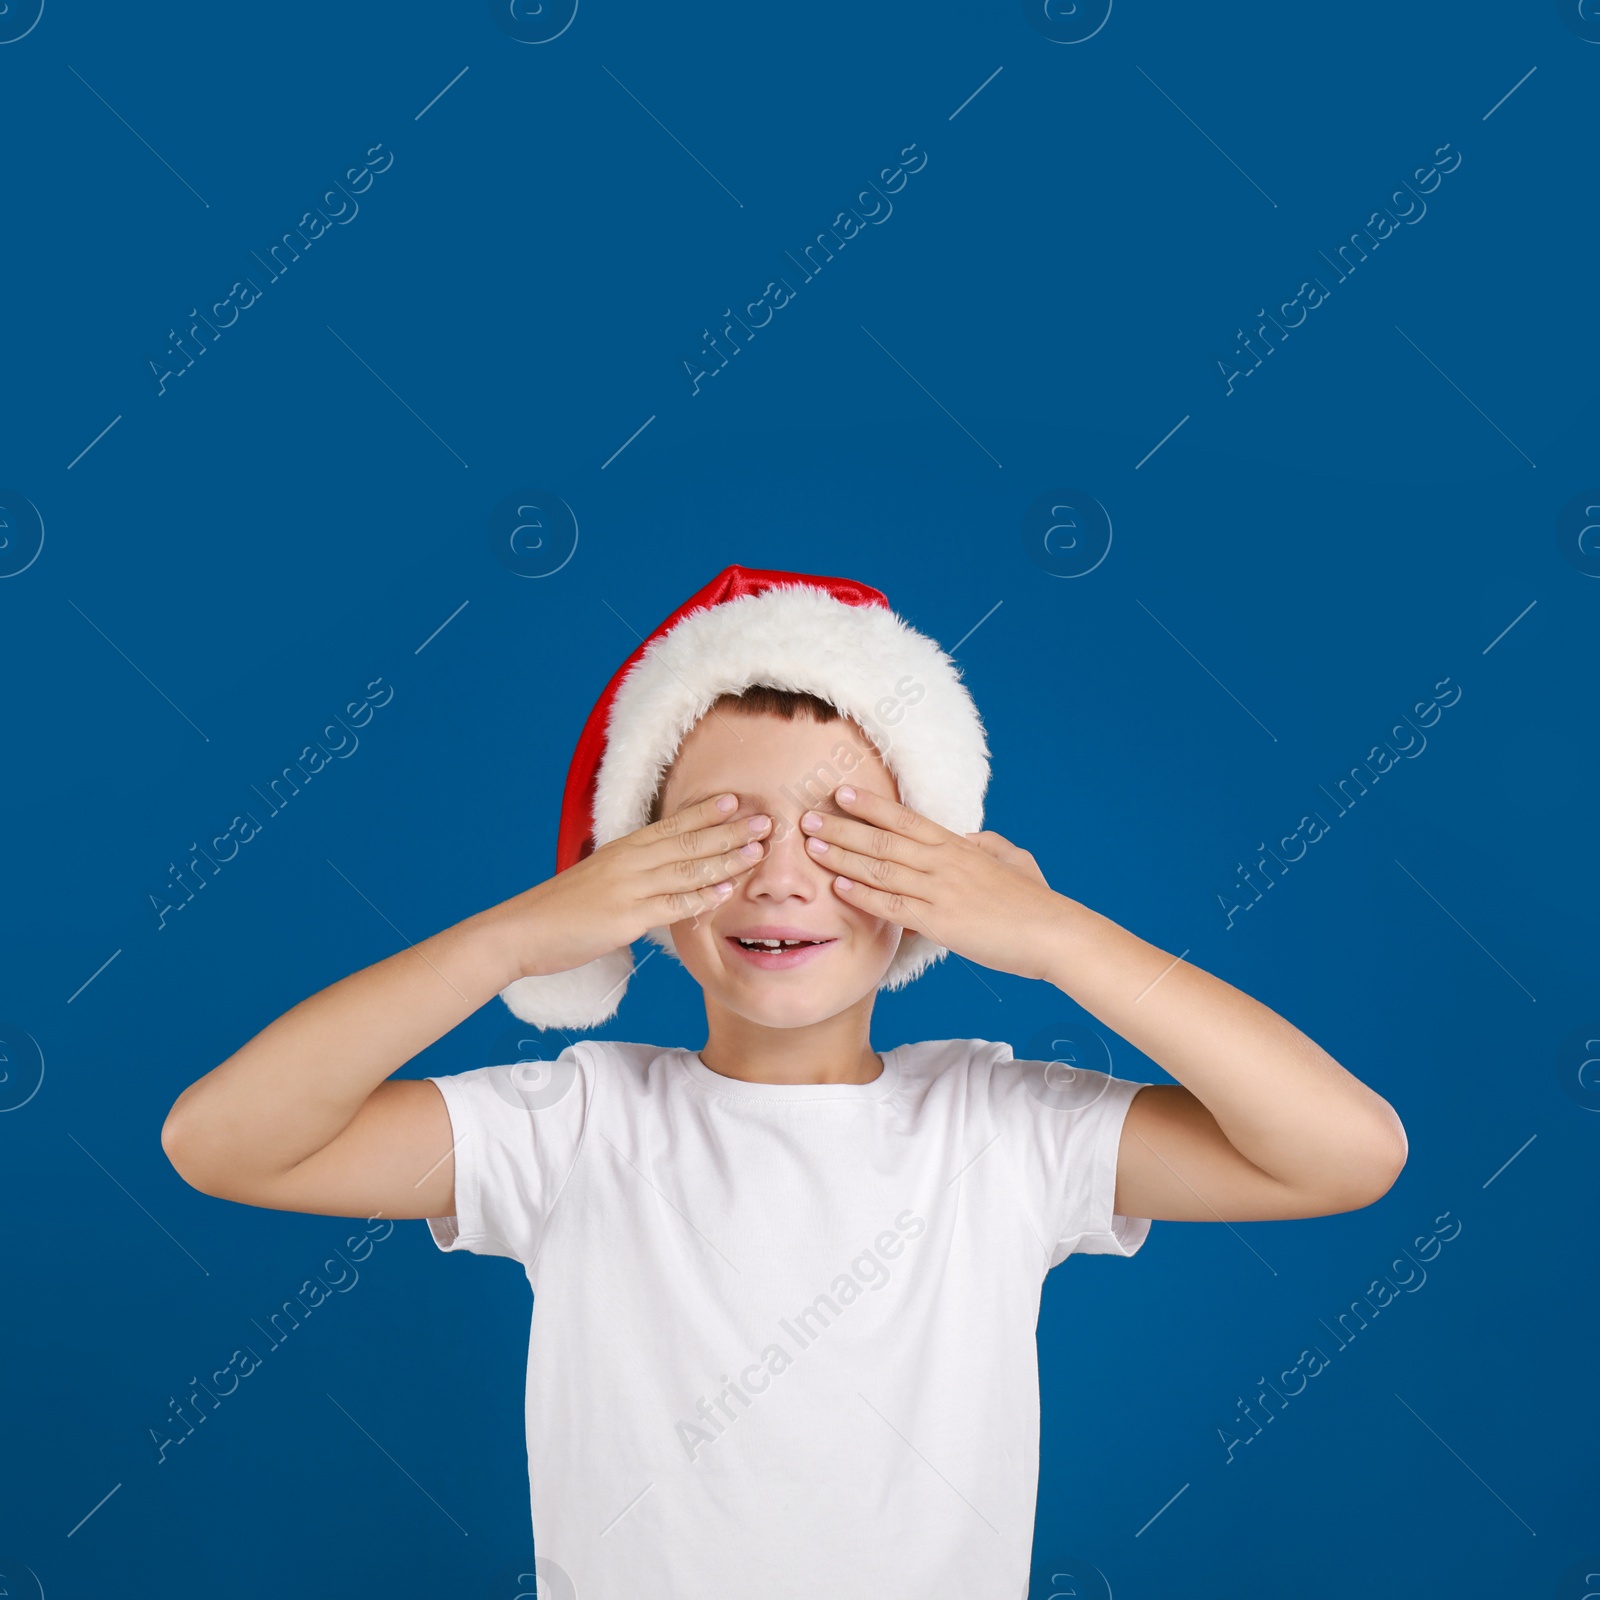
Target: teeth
774,944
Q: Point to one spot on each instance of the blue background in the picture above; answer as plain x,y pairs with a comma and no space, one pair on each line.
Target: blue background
1289,573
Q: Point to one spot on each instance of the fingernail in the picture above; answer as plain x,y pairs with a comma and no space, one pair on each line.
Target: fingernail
727,802
810,821
841,883
759,823
720,889
751,851
847,794
817,846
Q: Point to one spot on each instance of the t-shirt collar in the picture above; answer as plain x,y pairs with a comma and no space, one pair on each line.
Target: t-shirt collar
806,1093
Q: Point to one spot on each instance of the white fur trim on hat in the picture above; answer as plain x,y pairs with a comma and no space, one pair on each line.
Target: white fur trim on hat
874,668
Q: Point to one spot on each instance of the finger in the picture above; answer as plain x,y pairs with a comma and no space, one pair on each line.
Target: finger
690,904
881,872
713,808
865,839
891,907
689,875
710,838
888,814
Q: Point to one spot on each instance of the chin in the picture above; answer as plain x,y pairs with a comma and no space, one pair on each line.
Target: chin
791,1010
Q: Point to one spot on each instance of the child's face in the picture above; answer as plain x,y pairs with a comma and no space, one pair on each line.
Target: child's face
781,769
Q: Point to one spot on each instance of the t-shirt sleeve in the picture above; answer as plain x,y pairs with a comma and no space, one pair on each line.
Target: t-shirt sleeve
1062,1130
517,1132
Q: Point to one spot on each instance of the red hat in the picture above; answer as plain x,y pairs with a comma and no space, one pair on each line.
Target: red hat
831,637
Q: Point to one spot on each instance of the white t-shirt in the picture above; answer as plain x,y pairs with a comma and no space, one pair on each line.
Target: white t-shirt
783,1338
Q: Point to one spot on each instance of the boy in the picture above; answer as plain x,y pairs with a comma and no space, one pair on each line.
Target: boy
786,1288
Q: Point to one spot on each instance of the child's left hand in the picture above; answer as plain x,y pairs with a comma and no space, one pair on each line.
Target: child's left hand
976,893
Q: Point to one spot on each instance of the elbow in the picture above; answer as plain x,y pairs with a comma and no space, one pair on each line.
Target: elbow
206,1148
1382,1158
174,1146
180,1146
1358,1171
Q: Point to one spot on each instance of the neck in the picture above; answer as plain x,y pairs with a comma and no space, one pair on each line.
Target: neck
835,1050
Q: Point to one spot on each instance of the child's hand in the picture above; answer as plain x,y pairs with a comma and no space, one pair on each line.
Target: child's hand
977,894
659,875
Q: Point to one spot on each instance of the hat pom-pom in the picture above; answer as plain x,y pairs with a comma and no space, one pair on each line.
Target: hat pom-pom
582,998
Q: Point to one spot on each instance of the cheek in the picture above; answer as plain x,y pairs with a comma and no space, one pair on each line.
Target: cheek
692,939
879,933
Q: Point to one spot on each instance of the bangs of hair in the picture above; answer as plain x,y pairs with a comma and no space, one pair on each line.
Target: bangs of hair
785,703
763,698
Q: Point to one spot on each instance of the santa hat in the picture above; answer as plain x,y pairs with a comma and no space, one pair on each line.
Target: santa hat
830,637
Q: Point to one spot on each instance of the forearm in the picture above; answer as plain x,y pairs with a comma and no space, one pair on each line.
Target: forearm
296,1085
1281,1100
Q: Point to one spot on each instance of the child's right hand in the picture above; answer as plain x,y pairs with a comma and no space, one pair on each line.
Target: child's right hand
661,874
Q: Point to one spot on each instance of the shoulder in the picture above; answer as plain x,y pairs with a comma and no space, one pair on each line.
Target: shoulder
951,1065
618,1055
623,1070
934,1055
988,1074
536,1082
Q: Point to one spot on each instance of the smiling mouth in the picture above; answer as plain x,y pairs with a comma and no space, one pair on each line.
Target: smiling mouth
771,945
776,955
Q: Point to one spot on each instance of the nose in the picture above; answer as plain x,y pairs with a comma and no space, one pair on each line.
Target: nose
787,870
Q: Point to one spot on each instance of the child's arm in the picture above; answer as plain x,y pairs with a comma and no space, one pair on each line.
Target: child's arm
302,1117
1262,1123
